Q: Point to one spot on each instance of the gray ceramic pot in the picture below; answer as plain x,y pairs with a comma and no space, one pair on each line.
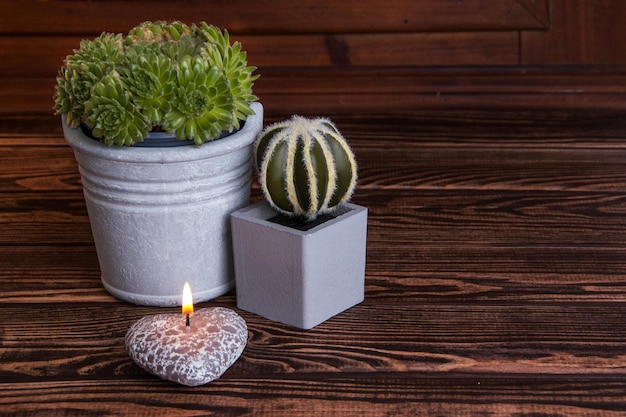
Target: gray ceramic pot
297,277
160,216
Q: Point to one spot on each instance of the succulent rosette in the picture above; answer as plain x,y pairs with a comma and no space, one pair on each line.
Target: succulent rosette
189,81
149,77
82,71
233,60
113,116
202,106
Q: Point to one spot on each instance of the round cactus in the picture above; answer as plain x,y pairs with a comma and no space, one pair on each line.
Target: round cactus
305,167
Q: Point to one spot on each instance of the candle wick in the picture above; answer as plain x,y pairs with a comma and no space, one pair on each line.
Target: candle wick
187,321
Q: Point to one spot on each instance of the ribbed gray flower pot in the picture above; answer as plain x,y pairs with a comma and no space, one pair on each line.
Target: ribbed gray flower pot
160,217
300,278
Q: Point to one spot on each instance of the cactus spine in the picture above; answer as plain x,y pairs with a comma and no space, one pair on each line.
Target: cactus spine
305,167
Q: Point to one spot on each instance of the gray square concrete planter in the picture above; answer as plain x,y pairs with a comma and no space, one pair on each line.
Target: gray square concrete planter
300,278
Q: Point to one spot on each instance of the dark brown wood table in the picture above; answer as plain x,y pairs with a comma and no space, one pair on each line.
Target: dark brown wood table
495,282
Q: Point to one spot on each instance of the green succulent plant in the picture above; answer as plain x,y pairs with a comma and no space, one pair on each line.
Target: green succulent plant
189,81
202,106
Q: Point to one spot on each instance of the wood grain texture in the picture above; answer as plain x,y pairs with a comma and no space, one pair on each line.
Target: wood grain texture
578,35
269,16
407,90
494,281
469,396
388,50
337,56
490,137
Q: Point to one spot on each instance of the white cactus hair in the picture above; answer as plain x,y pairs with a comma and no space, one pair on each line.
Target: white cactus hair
305,166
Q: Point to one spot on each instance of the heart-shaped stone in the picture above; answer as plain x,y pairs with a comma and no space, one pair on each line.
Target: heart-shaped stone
164,346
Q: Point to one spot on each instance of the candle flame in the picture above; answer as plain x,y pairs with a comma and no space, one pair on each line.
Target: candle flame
187,300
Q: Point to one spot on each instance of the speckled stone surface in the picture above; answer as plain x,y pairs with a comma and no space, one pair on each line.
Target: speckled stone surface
164,346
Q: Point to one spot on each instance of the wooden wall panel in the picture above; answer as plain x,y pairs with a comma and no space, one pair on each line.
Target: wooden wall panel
383,49
409,54
540,10
581,32
433,49
328,90
405,90
37,56
271,16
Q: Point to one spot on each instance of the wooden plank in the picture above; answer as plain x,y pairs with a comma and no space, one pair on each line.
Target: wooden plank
402,265
384,50
28,57
436,49
20,96
32,17
475,131
590,129
22,169
371,103
367,394
479,168
396,80
45,217
464,48
408,281
445,338
416,89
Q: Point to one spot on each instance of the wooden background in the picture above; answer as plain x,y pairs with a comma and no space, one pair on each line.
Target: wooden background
338,56
490,136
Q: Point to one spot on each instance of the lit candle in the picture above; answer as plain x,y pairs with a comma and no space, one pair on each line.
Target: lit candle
193,351
187,303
